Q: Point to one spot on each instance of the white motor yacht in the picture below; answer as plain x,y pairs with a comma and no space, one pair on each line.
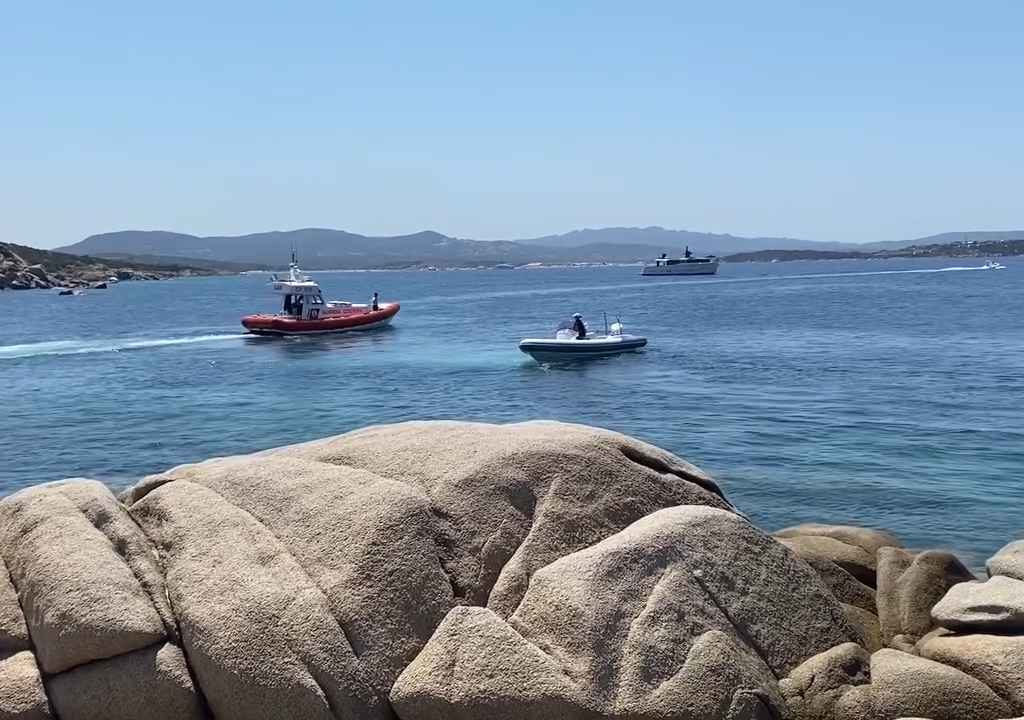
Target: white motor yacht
686,265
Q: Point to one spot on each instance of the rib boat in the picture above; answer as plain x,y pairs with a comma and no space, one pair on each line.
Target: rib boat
566,346
305,312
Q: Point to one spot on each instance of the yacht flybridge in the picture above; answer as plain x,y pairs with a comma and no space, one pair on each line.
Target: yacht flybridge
305,312
686,265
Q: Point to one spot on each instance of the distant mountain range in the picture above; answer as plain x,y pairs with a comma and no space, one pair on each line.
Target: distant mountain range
320,248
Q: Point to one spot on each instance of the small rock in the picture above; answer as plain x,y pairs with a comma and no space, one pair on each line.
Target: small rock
813,689
996,604
904,685
22,696
1009,561
996,660
865,538
909,586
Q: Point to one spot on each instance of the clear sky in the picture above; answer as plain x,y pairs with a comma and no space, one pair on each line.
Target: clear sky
852,121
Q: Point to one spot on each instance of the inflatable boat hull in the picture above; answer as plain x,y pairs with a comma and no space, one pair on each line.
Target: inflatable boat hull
553,350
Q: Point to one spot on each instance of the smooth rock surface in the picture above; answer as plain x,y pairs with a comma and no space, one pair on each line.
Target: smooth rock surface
85,575
909,585
514,498
152,683
22,696
867,539
996,660
996,604
1009,561
904,685
812,690
687,610
855,560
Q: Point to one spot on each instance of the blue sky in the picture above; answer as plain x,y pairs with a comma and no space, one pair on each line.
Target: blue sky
834,121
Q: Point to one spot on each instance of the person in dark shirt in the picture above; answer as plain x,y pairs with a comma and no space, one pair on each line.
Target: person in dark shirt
375,303
579,327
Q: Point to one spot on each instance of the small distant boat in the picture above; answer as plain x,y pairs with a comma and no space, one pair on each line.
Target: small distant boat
68,291
306,313
686,265
565,346
993,265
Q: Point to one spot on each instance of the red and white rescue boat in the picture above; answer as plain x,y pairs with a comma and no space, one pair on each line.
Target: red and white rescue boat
306,313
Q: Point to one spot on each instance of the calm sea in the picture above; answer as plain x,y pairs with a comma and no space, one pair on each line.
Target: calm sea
885,393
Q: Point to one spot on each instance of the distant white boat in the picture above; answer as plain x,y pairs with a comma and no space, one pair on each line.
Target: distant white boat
993,265
686,265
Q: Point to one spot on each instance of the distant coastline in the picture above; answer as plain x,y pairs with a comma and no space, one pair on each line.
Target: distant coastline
26,268
325,248
962,249
153,256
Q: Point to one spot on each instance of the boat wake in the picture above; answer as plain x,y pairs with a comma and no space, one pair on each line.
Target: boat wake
81,347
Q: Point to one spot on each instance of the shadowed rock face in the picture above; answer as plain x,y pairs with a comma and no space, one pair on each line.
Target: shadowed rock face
477,572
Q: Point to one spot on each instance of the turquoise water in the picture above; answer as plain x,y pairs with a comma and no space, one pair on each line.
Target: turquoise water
886,393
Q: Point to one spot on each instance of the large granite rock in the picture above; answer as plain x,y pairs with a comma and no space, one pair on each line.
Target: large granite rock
512,498
813,689
85,575
1009,561
306,578
909,586
996,660
470,571
904,685
687,613
996,604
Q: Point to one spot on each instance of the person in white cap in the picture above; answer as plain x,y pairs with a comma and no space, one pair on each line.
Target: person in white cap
578,326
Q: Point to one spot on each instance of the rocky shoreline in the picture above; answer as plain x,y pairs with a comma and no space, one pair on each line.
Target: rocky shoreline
465,571
25,268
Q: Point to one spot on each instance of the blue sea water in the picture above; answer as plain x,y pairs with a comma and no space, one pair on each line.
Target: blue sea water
884,393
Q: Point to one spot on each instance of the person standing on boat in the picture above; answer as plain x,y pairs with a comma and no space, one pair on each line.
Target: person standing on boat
578,326
375,303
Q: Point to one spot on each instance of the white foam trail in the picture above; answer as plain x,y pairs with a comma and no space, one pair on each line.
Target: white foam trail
80,347
678,282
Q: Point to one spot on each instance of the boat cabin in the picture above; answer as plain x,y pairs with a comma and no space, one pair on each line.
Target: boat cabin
302,297
664,261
